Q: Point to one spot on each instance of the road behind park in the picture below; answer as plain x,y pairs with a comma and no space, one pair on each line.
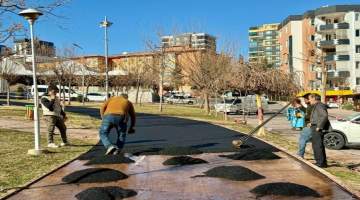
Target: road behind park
153,180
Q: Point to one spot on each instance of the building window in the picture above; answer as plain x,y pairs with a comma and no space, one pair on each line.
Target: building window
312,38
357,32
357,16
357,81
357,65
357,47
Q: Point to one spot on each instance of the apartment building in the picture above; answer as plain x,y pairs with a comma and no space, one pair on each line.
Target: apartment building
192,40
45,51
264,44
327,34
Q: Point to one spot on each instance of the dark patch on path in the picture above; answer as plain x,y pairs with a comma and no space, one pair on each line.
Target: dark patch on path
184,160
284,189
105,193
235,173
109,159
94,175
253,154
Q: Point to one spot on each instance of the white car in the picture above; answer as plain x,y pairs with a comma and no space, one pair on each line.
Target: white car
333,105
95,97
245,104
229,106
180,100
345,132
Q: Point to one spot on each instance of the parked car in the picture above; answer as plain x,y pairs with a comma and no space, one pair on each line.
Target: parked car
333,105
345,132
245,104
95,97
229,106
180,100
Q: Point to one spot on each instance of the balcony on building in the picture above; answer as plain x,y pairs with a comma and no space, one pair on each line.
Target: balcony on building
334,26
332,43
337,57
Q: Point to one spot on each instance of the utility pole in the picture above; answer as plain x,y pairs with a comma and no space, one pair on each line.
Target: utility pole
106,24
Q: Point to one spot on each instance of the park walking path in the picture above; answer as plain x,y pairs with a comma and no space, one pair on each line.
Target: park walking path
150,179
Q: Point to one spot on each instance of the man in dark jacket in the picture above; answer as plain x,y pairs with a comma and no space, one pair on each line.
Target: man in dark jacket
319,125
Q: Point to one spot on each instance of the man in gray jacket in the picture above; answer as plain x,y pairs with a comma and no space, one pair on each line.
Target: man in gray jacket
319,125
54,116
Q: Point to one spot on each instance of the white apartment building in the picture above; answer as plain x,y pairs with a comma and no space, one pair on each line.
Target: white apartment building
338,38
192,40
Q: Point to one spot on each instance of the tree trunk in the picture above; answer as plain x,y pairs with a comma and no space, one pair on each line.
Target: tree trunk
207,105
225,107
69,93
63,91
161,89
8,95
261,131
83,90
137,91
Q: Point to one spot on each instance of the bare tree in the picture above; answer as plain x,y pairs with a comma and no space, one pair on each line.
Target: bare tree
11,8
258,79
8,70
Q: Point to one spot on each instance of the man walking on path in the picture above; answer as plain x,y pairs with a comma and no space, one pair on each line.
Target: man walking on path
115,113
54,116
305,135
319,124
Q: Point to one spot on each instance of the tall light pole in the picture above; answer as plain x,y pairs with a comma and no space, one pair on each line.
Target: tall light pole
31,15
106,24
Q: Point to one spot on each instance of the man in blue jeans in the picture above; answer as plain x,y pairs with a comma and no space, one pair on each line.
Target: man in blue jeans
305,135
115,113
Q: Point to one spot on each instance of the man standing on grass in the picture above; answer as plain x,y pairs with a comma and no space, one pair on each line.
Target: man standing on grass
319,125
54,115
115,113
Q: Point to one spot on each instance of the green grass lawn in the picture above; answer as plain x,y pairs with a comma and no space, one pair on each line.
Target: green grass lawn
17,168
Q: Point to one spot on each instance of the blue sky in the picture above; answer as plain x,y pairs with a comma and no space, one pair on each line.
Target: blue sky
136,21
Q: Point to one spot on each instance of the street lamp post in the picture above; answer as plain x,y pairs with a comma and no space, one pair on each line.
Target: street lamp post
31,15
106,24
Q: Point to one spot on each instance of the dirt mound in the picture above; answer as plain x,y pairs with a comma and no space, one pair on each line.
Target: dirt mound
284,189
94,152
183,160
109,159
252,155
94,175
105,193
235,173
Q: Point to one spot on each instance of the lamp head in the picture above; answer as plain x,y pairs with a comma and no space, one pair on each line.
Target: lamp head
30,14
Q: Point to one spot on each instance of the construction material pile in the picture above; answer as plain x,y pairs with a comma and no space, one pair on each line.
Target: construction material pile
284,189
253,154
105,193
235,173
94,175
183,160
